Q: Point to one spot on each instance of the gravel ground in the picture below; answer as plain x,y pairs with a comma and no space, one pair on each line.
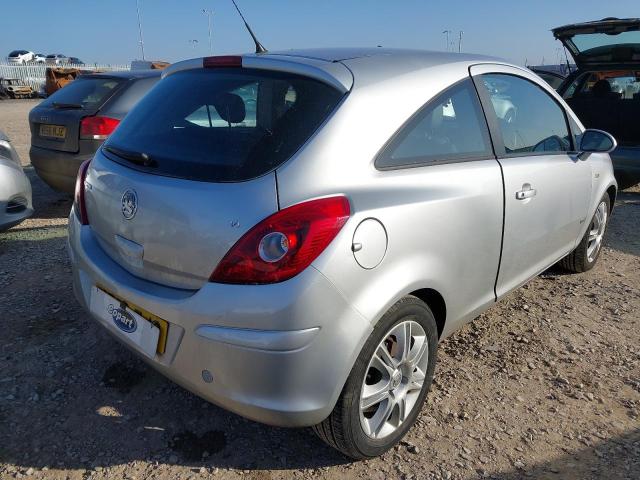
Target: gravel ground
544,385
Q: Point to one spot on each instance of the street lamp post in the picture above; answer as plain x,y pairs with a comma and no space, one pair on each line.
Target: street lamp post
447,33
140,28
209,13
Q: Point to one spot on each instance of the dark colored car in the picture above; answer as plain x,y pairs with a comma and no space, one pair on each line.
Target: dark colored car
552,78
75,61
69,126
604,91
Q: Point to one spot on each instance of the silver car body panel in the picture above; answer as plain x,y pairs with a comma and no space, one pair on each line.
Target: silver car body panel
15,188
280,353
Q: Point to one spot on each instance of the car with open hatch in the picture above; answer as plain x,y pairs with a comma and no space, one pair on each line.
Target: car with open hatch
604,90
290,235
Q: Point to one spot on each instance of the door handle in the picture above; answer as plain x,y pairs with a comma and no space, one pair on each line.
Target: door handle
526,192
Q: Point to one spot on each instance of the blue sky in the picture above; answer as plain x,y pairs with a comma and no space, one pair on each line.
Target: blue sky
106,30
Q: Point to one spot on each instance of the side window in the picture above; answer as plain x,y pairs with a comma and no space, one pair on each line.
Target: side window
449,127
529,119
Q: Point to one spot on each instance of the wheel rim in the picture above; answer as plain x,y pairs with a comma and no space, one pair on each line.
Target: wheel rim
394,379
596,232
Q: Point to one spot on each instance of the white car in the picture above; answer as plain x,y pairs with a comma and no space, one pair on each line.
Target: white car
15,188
56,59
39,58
20,56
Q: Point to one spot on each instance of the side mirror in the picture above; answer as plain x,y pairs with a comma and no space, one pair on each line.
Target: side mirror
597,141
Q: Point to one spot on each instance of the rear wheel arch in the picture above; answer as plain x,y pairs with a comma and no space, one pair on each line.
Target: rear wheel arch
436,303
612,192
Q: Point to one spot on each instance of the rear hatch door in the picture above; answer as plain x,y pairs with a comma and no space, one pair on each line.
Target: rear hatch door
603,42
55,122
192,167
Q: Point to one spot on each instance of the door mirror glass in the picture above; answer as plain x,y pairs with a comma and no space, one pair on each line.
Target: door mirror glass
597,141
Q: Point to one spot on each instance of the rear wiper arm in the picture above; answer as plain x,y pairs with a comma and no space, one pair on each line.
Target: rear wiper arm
139,158
66,105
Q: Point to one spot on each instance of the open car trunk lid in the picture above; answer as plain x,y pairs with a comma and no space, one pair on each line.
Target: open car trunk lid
608,41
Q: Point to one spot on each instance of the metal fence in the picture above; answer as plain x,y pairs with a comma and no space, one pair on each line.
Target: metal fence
34,74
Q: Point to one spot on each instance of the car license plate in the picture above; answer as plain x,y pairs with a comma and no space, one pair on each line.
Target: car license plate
144,329
53,131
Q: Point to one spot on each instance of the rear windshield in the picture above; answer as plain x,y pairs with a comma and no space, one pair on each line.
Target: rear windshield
221,125
17,53
84,92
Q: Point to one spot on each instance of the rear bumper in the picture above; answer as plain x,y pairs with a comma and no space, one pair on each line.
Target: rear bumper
626,165
278,354
57,169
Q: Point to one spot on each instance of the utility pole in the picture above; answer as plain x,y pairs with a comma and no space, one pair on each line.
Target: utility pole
140,28
209,13
447,32
460,41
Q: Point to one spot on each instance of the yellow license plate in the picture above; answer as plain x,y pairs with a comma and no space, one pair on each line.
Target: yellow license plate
53,131
162,325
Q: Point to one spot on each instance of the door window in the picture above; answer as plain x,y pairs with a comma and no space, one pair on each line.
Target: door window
529,119
450,127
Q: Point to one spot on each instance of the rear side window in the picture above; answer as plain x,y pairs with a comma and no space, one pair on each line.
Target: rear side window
529,119
221,125
84,92
450,127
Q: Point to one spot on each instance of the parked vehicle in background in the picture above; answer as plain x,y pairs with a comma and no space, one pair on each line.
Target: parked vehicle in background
290,234
15,188
20,56
605,89
56,59
68,127
15,88
552,78
75,61
39,58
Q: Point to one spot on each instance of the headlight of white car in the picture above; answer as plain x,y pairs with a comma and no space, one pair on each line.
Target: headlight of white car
7,151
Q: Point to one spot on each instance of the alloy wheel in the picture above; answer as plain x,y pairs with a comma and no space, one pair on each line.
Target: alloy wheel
394,379
596,232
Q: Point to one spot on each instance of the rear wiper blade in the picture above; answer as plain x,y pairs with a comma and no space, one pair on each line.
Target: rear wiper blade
66,105
139,158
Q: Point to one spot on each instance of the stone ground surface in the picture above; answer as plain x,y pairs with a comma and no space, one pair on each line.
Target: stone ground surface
545,385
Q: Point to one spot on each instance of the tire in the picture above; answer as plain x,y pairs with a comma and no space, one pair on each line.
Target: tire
353,432
584,258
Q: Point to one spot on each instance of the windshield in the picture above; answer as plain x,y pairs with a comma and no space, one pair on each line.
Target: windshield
588,41
84,92
222,125
17,53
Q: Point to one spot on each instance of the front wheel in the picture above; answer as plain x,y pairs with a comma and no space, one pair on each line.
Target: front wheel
586,254
387,385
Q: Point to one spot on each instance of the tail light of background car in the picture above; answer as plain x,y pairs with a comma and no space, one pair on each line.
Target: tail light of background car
78,201
97,128
284,244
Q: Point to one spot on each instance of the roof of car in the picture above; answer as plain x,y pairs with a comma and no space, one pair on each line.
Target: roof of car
128,74
377,54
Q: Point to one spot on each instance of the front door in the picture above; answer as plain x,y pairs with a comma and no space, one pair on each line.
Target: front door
547,187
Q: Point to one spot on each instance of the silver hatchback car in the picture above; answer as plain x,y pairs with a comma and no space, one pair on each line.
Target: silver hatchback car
289,235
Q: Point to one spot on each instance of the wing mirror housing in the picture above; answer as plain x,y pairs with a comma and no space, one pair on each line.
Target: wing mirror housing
597,141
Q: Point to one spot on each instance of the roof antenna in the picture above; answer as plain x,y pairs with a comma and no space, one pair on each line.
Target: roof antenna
259,47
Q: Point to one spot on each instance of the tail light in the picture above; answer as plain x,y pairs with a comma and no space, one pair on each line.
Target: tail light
97,128
284,244
78,201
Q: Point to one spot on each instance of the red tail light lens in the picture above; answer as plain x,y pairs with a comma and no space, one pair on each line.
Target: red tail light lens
78,200
284,244
222,61
97,128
